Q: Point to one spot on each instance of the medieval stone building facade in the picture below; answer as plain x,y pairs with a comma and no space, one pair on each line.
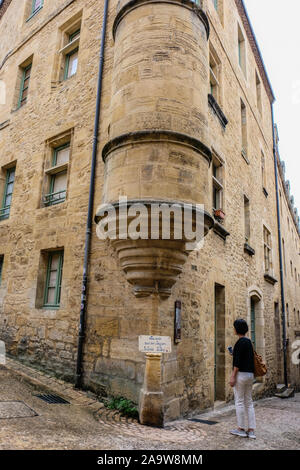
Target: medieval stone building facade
185,117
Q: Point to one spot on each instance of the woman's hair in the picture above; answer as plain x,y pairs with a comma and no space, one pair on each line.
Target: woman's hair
241,326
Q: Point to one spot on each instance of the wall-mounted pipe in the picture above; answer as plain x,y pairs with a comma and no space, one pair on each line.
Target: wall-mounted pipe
81,333
280,255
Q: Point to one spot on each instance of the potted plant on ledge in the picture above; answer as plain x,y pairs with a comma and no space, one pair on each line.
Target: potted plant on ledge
219,214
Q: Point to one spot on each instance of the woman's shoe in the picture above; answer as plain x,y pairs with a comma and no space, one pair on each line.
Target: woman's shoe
251,434
238,432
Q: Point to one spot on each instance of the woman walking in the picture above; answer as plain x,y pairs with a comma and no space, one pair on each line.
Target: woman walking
242,381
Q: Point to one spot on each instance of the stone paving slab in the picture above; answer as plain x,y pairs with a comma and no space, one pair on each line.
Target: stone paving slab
15,409
62,388
87,424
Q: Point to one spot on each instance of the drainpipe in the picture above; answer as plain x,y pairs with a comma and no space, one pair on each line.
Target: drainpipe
280,256
81,333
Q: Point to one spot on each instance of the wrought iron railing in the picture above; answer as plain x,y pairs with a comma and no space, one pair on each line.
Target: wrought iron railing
55,198
4,212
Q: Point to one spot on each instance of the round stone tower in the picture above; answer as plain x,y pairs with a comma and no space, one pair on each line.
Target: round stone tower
158,148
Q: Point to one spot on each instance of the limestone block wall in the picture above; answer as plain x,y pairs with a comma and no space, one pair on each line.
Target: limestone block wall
46,337
177,58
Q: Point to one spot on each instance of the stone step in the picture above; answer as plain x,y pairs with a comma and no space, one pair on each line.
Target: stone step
280,388
288,393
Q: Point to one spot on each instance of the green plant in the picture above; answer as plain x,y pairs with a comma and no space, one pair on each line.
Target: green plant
124,406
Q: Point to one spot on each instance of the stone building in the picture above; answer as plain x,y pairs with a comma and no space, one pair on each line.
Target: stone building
185,117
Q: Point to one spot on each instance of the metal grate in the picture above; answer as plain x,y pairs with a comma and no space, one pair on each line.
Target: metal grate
53,399
204,421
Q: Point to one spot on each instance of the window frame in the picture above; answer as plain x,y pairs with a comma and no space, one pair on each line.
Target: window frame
75,36
3,208
67,63
58,281
1,267
242,51
214,75
244,129
23,101
253,322
217,183
267,250
64,169
33,10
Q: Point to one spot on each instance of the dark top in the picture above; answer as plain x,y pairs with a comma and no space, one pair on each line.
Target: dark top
243,356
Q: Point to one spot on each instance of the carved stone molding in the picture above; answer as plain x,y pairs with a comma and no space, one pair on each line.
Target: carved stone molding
156,135
151,263
133,4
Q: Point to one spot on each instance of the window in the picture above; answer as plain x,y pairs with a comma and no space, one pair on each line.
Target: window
242,50
26,72
57,175
244,129
287,315
71,56
252,323
258,93
1,267
267,250
36,6
291,268
217,177
247,219
8,192
283,250
215,75
53,279
263,171
280,202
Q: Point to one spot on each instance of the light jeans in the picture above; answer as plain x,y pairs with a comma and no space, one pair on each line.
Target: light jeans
243,399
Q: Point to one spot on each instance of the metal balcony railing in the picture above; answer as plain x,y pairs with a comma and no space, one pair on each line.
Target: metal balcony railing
55,198
4,212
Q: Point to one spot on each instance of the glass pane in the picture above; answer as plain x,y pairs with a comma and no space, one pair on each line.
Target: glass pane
51,296
74,35
37,4
52,278
60,182
62,156
54,262
9,188
11,176
24,94
26,76
73,62
7,200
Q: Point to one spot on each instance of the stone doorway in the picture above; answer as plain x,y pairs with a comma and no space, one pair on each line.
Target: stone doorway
219,353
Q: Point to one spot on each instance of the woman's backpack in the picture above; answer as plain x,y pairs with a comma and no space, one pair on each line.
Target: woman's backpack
260,368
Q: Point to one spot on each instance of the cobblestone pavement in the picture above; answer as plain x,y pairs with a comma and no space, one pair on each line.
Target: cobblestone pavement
86,424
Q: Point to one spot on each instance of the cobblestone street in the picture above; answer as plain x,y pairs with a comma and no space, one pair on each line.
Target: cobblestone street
30,423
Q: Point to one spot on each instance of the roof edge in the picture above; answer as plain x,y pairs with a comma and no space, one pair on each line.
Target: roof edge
255,48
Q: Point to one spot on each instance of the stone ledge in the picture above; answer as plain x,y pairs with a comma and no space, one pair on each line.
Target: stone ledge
156,135
4,124
220,230
248,249
218,111
270,279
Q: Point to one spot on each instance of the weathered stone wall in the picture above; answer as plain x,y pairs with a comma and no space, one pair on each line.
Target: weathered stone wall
115,317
